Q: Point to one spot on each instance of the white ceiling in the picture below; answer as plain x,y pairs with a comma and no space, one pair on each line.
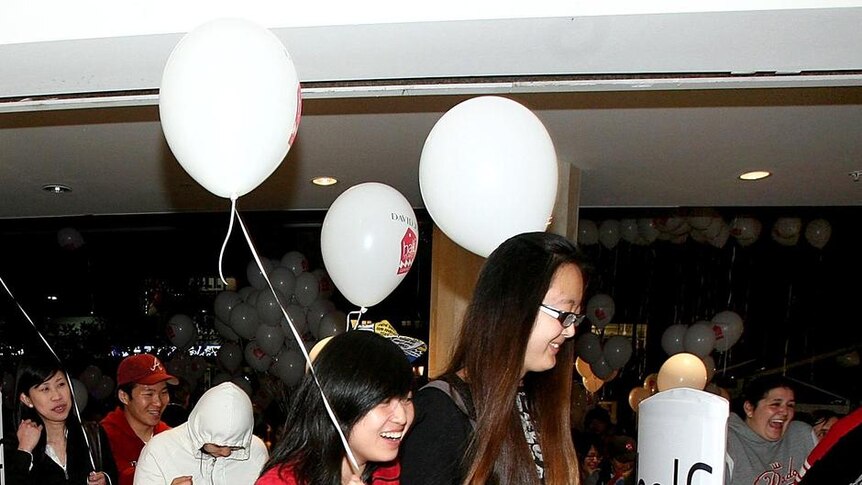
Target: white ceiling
657,110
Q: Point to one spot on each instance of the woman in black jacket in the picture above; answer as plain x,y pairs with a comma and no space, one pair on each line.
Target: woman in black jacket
49,446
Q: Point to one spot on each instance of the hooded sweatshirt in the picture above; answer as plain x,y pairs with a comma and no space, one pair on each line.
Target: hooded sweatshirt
753,460
222,417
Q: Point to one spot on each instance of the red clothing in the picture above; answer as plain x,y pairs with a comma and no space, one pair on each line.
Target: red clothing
283,475
126,446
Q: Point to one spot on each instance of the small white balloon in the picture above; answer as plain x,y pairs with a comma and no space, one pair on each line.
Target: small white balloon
230,356
727,327
588,232
617,351
295,261
255,277
673,339
270,339
601,309
699,339
181,330
283,279
818,232
333,323
609,233
224,303
307,288
589,348
256,357
244,320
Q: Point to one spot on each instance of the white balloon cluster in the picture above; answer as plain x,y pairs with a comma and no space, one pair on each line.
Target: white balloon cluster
599,362
702,226
254,327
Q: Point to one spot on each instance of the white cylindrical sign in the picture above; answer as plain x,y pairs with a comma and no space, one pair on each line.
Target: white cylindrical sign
682,437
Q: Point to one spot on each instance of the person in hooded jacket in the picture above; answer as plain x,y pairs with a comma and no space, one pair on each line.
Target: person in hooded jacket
768,446
214,447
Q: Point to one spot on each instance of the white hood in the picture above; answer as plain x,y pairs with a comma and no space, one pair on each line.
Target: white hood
223,416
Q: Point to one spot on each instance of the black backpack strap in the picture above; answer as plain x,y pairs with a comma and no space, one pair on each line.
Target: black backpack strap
456,397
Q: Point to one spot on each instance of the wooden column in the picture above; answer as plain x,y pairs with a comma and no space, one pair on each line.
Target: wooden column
453,274
454,271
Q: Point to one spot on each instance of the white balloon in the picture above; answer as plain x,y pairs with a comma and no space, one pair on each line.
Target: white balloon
244,320
255,278
224,303
488,171
283,279
600,310
229,105
601,369
298,317
256,357
699,339
80,393
589,348
609,233
647,230
368,241
617,351
181,330
682,370
818,232
709,365
333,323
588,232
324,285
746,230
316,311
230,356
673,339
69,238
727,327
629,230
290,367
307,288
268,307
269,339
295,261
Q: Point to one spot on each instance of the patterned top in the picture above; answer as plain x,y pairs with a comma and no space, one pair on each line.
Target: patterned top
530,433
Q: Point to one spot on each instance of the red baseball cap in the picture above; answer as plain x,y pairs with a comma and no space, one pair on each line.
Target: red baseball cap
144,369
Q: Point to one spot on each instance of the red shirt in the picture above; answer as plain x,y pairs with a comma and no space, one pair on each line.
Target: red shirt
126,446
283,475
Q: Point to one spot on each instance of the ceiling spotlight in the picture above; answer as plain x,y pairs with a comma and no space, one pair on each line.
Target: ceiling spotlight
324,181
755,175
56,188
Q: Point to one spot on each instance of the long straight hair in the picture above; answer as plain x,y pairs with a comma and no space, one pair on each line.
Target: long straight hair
357,371
32,373
491,349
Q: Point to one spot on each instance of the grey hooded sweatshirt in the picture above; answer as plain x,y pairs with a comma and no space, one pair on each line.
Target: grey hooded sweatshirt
223,417
752,460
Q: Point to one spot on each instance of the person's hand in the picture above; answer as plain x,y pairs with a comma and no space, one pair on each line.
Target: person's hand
29,433
355,480
184,480
97,478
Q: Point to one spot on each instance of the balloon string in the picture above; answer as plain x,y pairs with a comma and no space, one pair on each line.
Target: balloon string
359,314
59,361
302,349
233,214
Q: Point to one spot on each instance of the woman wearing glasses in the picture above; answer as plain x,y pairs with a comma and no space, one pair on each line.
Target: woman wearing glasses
500,411
214,447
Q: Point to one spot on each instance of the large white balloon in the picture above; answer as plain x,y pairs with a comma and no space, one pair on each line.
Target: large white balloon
589,348
609,233
617,351
588,233
682,370
229,105
224,303
488,171
368,241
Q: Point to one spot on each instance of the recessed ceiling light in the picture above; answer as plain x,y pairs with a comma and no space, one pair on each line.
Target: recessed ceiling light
755,175
56,188
324,181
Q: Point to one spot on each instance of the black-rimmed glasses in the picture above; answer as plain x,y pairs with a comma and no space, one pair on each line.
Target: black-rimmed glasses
566,319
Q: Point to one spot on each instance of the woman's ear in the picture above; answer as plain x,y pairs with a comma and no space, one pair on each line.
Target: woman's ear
25,400
749,409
